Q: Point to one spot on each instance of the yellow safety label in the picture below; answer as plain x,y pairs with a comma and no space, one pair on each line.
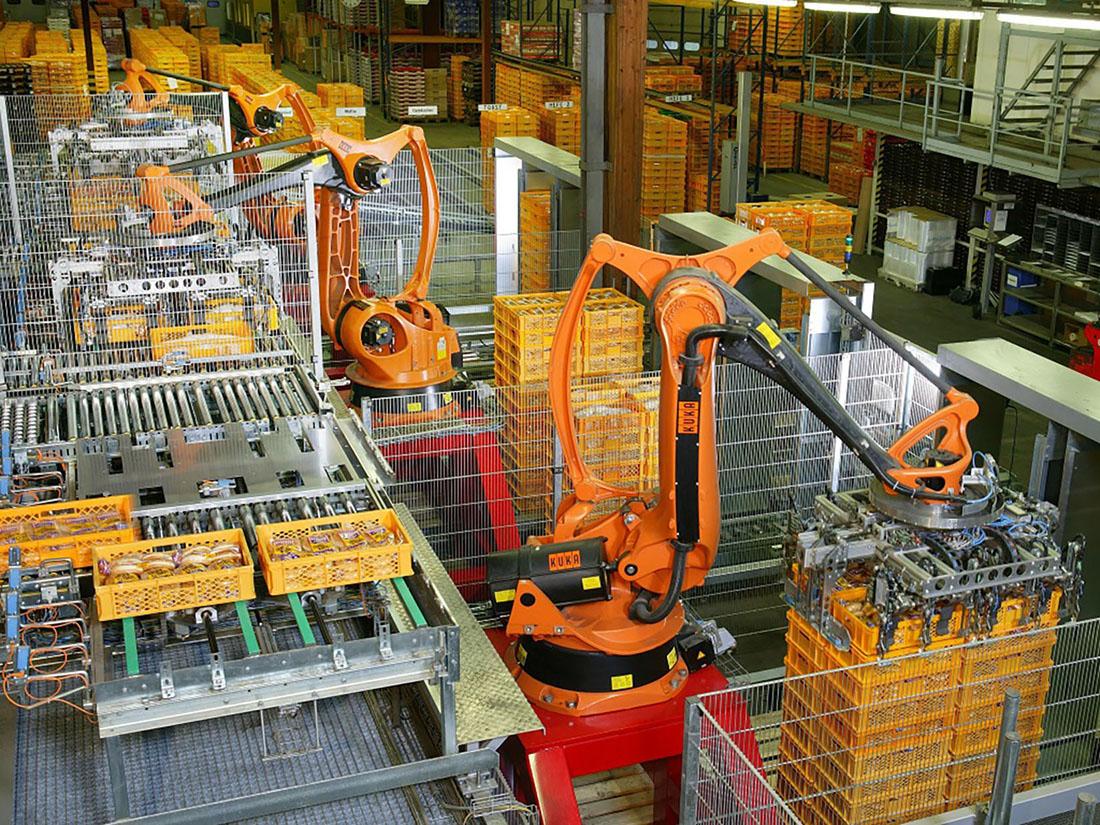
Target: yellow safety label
521,654
441,348
447,398
505,595
769,334
414,406
622,682
590,583
671,658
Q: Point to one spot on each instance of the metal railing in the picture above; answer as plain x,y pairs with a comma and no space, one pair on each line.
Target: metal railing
904,737
949,115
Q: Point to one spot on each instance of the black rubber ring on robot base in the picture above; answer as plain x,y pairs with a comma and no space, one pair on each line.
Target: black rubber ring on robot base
350,305
592,672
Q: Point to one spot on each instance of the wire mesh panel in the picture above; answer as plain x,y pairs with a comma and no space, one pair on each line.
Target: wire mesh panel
67,136
105,288
488,474
896,739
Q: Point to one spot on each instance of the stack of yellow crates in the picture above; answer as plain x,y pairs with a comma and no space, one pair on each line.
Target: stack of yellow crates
880,738
697,193
99,81
664,164
218,59
827,228
54,68
507,86
534,239
186,43
508,123
671,78
153,49
336,95
456,100
16,41
609,342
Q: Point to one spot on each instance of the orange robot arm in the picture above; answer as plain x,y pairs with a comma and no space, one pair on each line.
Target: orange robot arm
139,82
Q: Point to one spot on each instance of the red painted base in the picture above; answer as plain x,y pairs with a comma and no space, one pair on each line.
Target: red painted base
545,763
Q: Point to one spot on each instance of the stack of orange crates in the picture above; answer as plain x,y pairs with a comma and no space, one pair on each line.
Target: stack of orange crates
778,135
664,165
827,227
153,49
846,179
785,31
335,95
99,82
698,145
562,128
815,132
16,41
218,59
781,216
534,239
508,84
697,194
456,101
508,123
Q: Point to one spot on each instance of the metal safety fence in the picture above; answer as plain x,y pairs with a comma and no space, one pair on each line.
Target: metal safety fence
486,472
898,739
98,289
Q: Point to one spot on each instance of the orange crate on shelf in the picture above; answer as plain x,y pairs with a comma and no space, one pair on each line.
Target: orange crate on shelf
66,529
332,551
175,588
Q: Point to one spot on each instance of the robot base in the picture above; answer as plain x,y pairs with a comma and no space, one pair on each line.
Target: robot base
546,762
427,403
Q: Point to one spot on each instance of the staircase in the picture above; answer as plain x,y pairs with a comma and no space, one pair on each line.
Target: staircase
1060,73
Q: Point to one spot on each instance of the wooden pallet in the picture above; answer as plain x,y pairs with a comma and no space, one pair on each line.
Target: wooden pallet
623,796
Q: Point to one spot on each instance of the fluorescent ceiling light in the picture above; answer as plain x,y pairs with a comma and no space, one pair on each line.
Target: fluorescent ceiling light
1080,22
844,8
786,4
938,12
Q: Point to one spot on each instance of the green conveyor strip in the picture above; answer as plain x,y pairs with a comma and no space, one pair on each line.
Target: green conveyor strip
300,618
129,638
247,630
409,602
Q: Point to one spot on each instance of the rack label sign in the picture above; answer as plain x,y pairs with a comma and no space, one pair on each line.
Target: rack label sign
423,111
492,107
285,111
558,104
351,111
678,98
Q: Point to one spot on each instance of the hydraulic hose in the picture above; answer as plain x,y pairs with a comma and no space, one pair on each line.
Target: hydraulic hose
640,609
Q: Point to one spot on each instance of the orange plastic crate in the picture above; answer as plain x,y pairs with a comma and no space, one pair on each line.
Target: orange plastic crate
217,340
337,567
66,530
182,591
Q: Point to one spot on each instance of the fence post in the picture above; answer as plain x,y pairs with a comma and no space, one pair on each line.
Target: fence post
1008,758
1085,814
9,168
689,775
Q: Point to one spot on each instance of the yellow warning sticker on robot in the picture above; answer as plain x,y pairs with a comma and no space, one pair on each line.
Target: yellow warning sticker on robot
441,348
769,334
622,682
505,595
671,659
590,583
521,654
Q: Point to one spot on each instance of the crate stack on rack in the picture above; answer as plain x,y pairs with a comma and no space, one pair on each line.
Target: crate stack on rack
785,31
218,60
406,88
815,132
673,79
435,92
508,123
610,417
846,170
507,84
778,135
531,41
561,128
55,69
338,95
664,165
697,193
16,41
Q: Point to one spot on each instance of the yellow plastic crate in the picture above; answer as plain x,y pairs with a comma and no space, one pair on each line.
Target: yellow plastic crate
335,567
174,591
65,530
221,339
